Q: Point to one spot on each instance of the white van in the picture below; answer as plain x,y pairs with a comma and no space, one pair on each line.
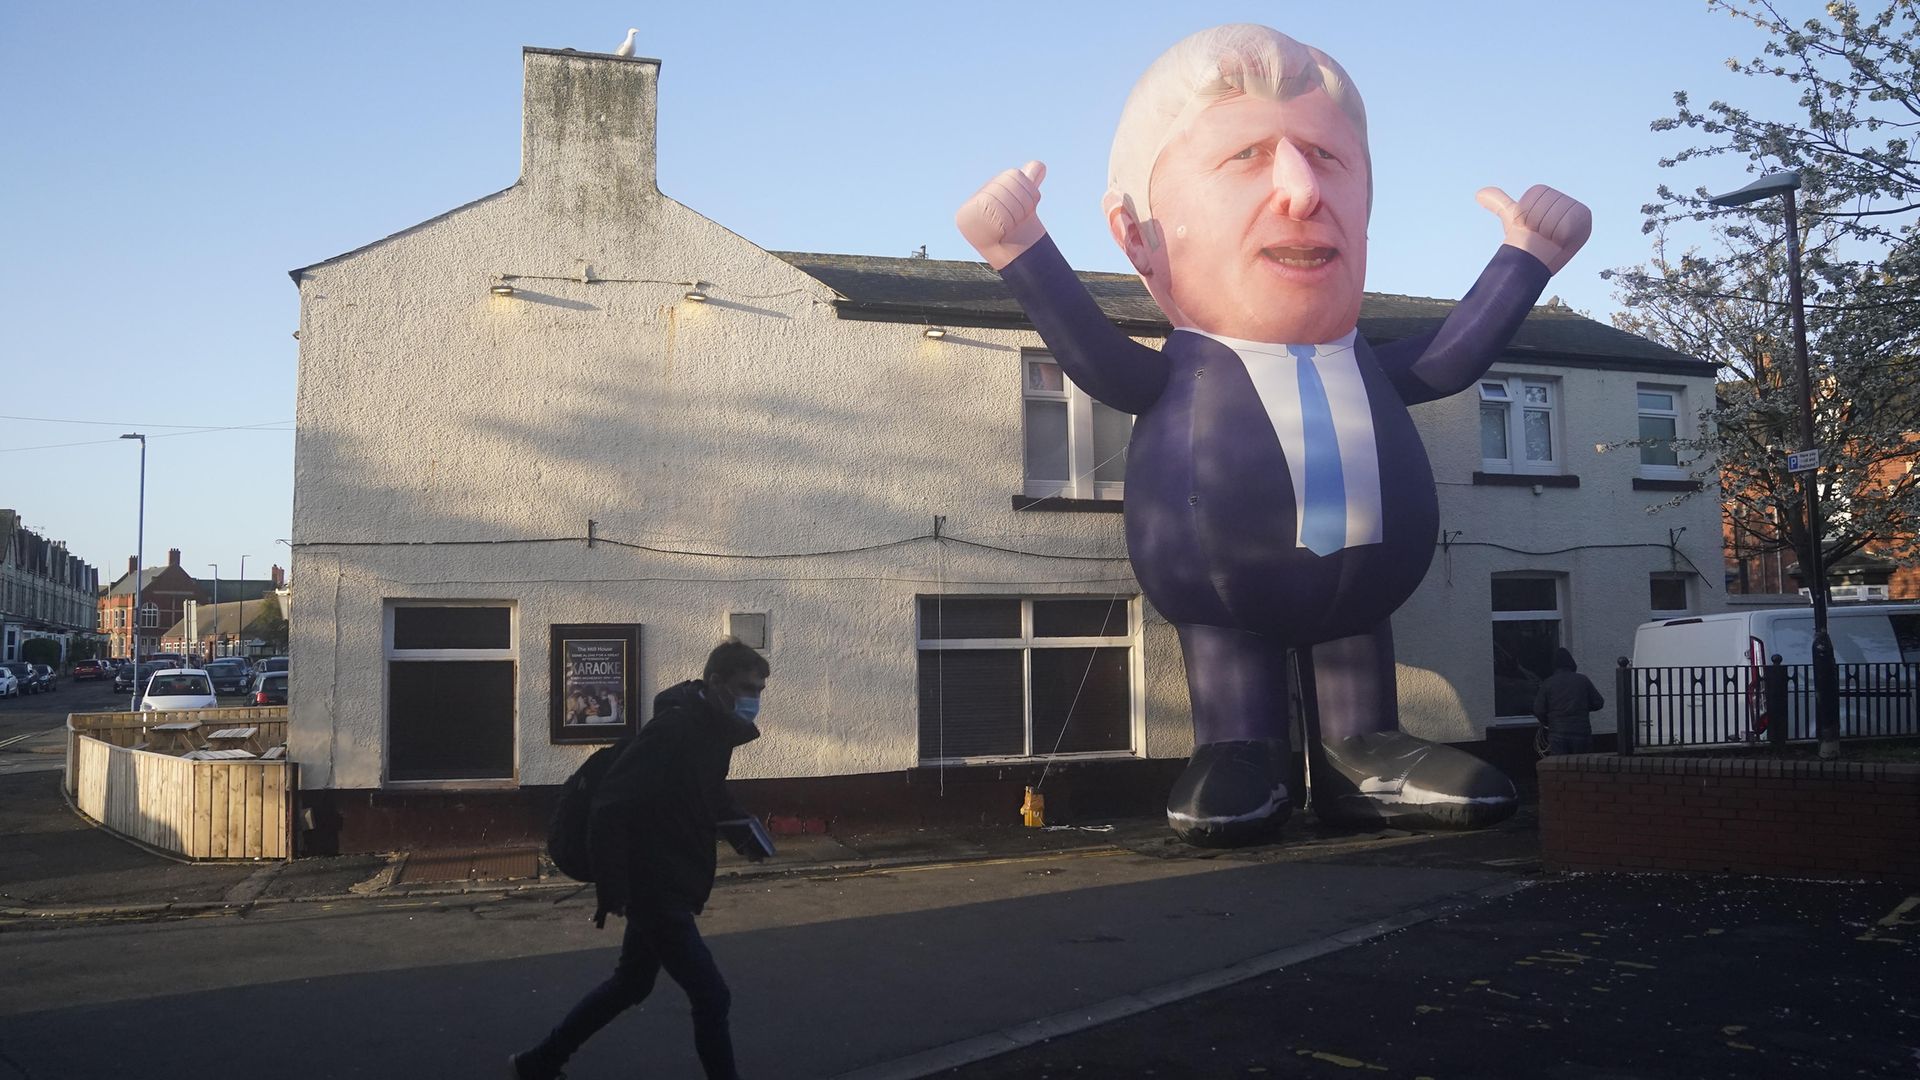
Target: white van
1681,702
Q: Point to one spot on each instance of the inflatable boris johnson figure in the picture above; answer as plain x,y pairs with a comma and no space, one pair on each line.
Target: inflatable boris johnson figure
1278,497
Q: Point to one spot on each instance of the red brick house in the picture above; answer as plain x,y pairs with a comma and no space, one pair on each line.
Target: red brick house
164,592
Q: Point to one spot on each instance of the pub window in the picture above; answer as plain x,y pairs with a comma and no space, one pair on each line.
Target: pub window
1075,446
1016,678
1519,425
1527,628
1660,408
451,691
1667,595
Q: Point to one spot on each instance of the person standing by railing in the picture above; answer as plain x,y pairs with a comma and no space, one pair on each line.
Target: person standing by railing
1562,704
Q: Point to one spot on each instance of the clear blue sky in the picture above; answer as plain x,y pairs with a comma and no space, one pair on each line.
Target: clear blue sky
169,163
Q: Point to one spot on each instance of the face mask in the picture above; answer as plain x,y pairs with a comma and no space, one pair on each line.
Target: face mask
746,708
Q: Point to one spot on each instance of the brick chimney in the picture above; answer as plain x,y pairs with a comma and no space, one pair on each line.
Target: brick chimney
587,131
279,577
133,564
173,557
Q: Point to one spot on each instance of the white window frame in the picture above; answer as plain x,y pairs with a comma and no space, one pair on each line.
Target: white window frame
1026,642
1081,463
1677,414
1511,397
150,616
1557,615
388,654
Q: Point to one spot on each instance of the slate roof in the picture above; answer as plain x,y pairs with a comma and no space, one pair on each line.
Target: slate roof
224,617
952,293
124,587
230,588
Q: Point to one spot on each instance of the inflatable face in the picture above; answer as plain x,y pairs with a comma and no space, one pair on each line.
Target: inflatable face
1261,207
1241,186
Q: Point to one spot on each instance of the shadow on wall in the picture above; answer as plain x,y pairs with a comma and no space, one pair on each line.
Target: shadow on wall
797,451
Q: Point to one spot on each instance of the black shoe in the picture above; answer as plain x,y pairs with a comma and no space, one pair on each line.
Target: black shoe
526,1066
1392,778
1232,794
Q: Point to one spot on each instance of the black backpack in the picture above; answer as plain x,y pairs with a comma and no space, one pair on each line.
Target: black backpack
567,831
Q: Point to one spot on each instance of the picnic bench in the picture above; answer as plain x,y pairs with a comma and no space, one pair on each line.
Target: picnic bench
218,755
235,738
173,737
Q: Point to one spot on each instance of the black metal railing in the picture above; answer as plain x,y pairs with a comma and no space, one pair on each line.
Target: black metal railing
1671,708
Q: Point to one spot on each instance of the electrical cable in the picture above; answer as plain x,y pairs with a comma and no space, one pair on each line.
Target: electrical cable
602,539
111,423
1092,655
272,426
1673,548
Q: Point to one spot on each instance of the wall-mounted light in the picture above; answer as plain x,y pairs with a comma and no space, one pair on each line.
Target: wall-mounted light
501,288
934,332
696,291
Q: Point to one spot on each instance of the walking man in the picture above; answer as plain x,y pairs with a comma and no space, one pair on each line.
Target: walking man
1562,704
652,836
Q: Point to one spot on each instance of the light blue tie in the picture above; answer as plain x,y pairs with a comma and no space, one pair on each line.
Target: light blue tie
1323,506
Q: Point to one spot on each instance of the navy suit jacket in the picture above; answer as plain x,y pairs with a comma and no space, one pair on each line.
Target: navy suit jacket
1210,504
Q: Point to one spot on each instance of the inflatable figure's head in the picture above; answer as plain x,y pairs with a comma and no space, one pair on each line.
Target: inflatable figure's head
1241,184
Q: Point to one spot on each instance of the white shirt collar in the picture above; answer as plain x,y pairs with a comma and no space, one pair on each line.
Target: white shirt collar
1267,348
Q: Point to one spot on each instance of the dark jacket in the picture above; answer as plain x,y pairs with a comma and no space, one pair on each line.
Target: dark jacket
652,831
1563,702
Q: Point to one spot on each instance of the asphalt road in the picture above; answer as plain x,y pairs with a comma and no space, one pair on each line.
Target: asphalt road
830,974
33,726
1581,977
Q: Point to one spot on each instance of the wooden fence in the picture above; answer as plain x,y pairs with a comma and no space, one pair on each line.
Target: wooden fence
130,728
200,809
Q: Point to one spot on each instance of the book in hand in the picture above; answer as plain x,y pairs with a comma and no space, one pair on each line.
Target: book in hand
749,838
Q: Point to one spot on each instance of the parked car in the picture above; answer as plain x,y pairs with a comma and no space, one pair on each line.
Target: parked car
178,688
271,663
132,677
44,678
23,674
9,686
270,688
85,670
230,675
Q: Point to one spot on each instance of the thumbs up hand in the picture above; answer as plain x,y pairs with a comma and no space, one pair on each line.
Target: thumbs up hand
1546,224
999,220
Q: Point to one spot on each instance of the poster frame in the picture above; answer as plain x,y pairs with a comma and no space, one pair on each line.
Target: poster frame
560,730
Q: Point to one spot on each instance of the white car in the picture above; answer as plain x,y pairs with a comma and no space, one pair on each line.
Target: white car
9,686
178,688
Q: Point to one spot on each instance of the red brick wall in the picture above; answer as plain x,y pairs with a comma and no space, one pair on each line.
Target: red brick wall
1731,815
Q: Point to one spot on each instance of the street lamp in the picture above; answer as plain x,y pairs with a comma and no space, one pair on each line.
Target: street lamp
1826,672
139,568
216,607
240,636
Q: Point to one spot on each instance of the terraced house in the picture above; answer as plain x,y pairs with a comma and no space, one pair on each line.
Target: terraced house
45,592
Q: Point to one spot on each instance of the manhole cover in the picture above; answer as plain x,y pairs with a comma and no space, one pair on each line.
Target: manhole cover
495,864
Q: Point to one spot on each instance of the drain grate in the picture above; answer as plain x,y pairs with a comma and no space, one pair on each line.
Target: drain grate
493,864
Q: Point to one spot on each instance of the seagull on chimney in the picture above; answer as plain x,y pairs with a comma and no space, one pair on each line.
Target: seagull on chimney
626,47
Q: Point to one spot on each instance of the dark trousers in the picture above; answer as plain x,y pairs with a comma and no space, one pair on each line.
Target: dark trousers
655,940
1569,744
